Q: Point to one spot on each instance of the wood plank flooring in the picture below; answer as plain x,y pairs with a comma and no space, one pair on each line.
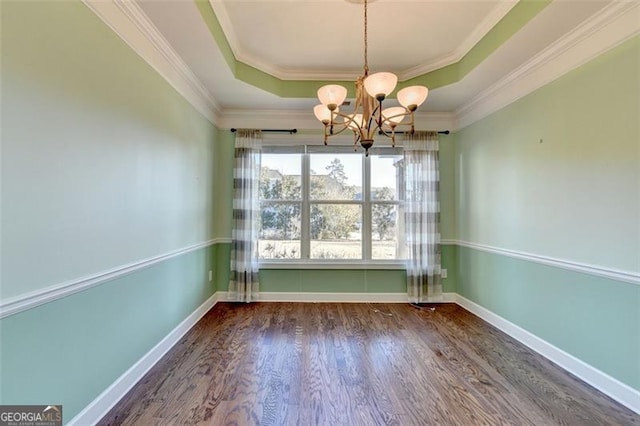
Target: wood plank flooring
357,364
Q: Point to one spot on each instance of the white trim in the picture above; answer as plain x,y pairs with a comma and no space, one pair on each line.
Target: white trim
322,297
622,393
23,302
100,406
326,297
132,25
600,271
613,25
320,265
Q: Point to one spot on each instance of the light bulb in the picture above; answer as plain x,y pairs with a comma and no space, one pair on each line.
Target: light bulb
393,115
412,97
323,113
332,95
380,84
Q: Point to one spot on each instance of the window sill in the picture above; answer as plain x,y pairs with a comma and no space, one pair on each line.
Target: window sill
288,264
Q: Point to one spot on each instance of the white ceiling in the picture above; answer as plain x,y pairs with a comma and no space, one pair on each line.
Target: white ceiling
323,40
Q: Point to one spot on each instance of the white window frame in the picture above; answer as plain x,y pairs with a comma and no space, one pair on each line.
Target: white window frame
366,203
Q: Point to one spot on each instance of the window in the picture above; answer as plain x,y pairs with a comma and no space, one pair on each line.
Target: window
331,204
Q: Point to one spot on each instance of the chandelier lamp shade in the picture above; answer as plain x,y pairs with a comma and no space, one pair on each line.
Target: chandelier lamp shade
368,117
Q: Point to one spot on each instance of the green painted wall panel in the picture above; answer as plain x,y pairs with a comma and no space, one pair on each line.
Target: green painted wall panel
103,162
69,351
594,319
224,184
447,186
557,174
223,263
449,262
333,280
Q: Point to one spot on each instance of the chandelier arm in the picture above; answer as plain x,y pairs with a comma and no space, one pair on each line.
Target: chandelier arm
343,126
371,130
388,133
349,118
404,114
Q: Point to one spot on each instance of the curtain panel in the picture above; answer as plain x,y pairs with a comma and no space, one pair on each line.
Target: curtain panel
422,216
243,283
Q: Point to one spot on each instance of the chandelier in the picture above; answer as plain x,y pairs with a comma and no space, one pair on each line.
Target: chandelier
368,116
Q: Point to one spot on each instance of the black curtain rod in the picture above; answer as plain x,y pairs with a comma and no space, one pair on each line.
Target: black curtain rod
440,132
293,131
290,131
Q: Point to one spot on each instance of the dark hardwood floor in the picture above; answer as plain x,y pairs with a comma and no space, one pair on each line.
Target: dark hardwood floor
346,364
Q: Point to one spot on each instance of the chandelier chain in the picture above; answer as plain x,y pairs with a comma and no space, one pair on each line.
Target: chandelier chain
368,117
366,64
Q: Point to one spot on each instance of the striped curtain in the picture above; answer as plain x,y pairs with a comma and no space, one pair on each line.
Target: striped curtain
243,283
422,217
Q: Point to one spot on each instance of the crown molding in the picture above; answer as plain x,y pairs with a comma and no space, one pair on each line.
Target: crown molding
498,12
613,25
133,26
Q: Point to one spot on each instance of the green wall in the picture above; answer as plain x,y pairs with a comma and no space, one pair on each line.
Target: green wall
103,164
557,174
335,280
576,194
595,319
69,351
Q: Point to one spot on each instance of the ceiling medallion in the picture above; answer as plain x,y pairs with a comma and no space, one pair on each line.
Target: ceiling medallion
368,116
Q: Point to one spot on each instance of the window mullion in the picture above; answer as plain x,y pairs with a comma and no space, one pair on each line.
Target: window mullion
305,232
366,209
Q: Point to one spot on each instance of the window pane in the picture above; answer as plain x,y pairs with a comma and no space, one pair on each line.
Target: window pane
386,177
387,232
280,177
336,176
279,236
336,231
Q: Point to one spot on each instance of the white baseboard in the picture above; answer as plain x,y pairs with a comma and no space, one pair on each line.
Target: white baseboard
322,297
100,406
622,393
606,384
333,297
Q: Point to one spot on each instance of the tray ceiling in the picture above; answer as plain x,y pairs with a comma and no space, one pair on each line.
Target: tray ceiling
264,55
